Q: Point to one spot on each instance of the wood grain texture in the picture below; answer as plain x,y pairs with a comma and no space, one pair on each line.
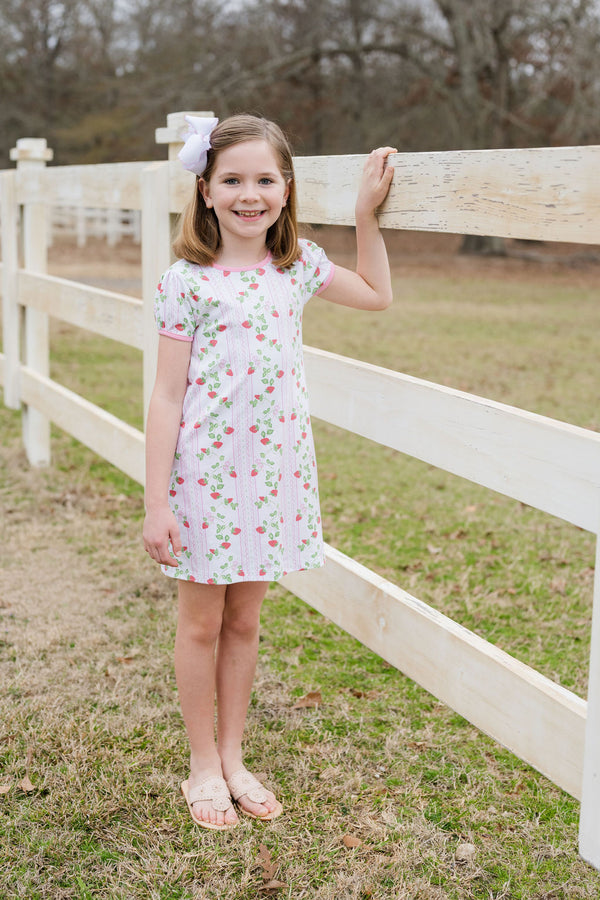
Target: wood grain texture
548,193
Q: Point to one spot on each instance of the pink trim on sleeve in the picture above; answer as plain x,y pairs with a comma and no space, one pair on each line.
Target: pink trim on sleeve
177,337
327,281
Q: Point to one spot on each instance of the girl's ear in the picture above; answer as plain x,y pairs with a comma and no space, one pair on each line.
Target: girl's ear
287,191
203,187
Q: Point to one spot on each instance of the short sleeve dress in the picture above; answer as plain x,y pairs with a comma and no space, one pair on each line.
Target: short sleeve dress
244,478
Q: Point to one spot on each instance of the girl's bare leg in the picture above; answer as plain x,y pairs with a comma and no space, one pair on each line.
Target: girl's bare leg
199,624
237,652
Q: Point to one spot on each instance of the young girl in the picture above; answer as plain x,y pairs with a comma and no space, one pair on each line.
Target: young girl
231,485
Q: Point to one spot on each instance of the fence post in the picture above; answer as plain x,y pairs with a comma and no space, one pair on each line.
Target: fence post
156,226
589,819
156,256
11,314
176,128
113,226
173,136
33,153
81,225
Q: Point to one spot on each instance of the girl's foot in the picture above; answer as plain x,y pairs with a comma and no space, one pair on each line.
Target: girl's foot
209,800
251,796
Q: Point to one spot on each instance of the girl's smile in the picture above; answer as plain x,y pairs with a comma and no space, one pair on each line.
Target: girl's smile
247,192
246,214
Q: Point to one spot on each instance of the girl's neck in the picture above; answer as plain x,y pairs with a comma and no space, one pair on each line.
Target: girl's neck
241,254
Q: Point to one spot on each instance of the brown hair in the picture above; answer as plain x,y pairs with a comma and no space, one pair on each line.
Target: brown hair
198,238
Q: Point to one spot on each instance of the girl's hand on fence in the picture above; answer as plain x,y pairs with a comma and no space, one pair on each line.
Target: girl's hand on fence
375,183
160,530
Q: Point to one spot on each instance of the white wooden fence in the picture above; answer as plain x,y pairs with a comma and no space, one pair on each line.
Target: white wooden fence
83,222
546,194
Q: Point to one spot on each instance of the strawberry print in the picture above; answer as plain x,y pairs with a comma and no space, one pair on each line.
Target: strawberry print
243,485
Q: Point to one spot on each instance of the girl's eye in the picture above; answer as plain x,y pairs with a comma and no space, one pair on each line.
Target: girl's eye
233,180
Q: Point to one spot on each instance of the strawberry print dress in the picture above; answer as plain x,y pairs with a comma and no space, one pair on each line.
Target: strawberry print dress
244,478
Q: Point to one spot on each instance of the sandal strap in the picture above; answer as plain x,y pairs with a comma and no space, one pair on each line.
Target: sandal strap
214,789
243,782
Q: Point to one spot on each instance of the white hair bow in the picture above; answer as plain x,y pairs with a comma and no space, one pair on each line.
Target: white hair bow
193,154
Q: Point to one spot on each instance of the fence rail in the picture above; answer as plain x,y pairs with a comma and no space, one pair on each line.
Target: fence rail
547,194
83,222
110,314
550,465
103,186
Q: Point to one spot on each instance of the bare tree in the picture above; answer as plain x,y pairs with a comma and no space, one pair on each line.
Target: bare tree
97,76
508,73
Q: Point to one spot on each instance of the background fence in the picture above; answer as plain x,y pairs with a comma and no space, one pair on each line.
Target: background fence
544,194
82,222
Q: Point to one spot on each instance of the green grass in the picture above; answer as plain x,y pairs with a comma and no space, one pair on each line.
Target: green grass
91,712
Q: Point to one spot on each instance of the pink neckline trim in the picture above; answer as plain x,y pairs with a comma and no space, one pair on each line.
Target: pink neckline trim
257,265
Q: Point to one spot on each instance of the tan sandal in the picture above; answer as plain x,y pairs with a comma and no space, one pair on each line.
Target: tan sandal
243,783
214,789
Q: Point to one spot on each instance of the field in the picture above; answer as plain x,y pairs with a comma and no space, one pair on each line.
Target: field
387,793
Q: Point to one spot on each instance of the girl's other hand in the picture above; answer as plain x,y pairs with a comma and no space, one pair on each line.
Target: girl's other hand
375,183
160,530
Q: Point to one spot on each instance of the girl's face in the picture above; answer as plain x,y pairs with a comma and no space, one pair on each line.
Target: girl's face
246,190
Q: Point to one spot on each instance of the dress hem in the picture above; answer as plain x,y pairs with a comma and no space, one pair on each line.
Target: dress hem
171,572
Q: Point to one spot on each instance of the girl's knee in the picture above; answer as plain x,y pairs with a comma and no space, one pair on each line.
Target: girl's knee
204,633
241,623
241,616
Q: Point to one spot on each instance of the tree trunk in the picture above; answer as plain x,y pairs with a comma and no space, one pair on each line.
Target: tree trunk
483,245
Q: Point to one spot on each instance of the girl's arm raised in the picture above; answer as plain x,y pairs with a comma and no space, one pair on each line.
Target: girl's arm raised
370,286
162,430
